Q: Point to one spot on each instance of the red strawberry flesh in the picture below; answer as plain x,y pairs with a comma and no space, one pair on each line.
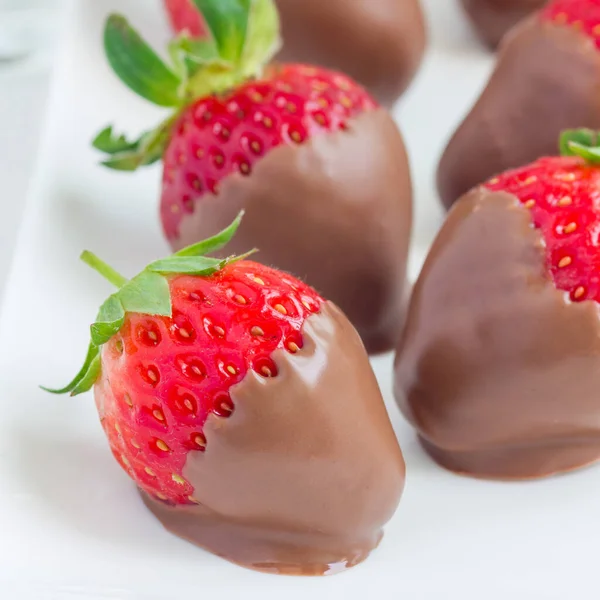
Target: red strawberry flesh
185,17
583,15
563,196
219,136
162,377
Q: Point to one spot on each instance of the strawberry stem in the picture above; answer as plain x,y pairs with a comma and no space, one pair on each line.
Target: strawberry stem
103,269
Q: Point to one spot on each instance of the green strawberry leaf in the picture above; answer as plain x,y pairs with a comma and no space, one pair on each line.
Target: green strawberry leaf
190,265
185,52
109,321
245,37
194,56
215,243
110,143
91,356
202,51
228,24
90,377
194,265
147,293
263,41
147,150
125,161
591,155
138,66
580,142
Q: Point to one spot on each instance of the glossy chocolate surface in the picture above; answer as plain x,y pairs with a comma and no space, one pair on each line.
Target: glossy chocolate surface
499,371
306,472
493,18
547,79
336,212
379,43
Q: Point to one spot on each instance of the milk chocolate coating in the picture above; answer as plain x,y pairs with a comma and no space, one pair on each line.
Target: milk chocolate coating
498,370
307,470
336,212
547,79
493,18
379,43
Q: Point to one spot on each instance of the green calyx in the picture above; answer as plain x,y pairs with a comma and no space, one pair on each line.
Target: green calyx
243,38
584,143
146,293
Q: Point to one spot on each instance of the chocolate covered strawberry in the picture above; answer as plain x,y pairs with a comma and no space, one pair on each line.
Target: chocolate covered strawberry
233,395
499,369
320,170
493,18
380,43
546,80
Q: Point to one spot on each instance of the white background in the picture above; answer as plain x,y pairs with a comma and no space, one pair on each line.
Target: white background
24,24
71,524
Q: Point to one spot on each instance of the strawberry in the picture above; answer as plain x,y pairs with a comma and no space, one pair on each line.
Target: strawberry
216,137
499,367
345,36
560,193
545,81
233,117
161,369
233,395
185,17
168,374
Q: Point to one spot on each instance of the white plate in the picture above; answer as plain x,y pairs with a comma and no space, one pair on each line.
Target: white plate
72,525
